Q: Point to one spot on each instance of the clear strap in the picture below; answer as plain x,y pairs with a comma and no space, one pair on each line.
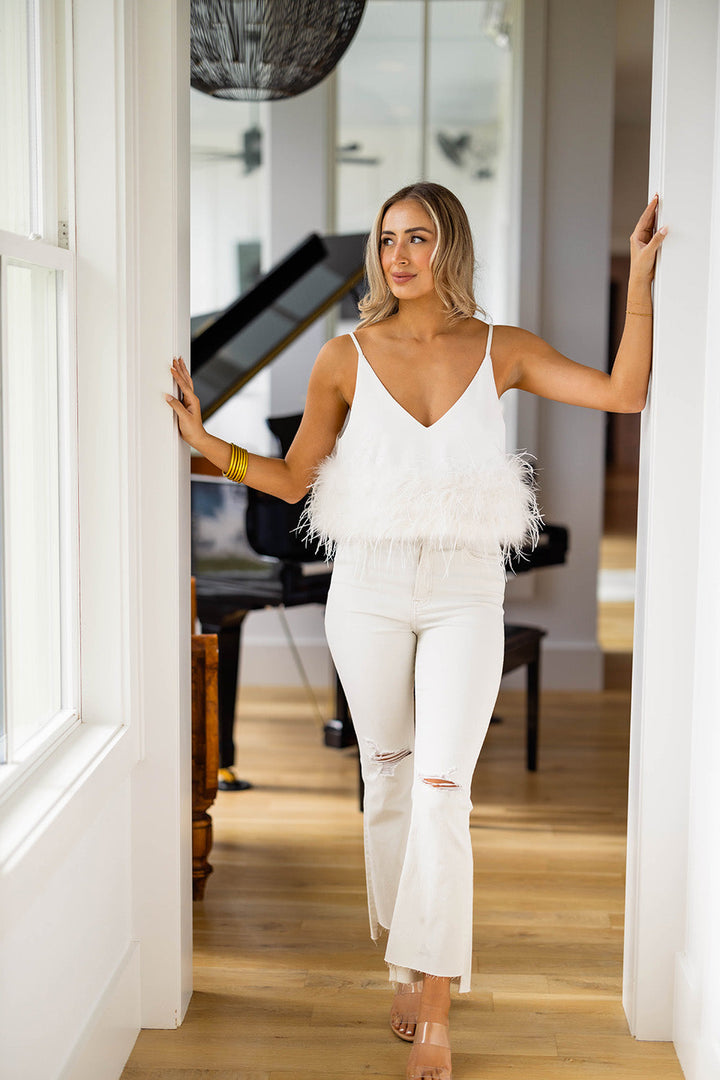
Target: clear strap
433,1034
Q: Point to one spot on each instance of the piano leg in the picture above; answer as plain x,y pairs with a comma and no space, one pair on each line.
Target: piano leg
339,731
533,709
228,664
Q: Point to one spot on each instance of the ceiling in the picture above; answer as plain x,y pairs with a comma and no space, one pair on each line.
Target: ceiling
381,70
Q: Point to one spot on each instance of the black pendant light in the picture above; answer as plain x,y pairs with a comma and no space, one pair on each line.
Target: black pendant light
262,50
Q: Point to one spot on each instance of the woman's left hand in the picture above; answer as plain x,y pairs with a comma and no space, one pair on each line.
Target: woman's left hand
645,243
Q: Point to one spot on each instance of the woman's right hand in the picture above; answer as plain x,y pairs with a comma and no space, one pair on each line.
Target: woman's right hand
188,410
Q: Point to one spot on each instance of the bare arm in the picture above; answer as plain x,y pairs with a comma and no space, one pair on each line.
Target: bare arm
535,366
289,477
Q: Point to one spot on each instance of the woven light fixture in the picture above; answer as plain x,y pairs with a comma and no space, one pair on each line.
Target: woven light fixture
262,50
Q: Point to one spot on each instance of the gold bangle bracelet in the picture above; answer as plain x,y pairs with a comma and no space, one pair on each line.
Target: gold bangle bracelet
243,466
230,471
648,314
237,468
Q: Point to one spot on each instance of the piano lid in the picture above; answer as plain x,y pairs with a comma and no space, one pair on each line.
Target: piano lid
230,347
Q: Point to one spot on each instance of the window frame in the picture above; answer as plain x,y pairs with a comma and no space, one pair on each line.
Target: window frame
49,247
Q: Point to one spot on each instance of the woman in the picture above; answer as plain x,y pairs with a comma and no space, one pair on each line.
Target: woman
418,504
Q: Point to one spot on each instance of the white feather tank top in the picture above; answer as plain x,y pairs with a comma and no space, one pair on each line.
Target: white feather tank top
391,480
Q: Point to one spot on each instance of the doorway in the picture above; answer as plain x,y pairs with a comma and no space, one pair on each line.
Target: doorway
616,573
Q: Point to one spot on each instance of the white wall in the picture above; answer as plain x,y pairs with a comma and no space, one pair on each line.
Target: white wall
567,207
672,957
95,873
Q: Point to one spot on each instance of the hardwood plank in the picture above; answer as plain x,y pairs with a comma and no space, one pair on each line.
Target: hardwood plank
288,984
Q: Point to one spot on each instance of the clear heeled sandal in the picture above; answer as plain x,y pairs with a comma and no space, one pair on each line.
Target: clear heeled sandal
431,1033
405,1008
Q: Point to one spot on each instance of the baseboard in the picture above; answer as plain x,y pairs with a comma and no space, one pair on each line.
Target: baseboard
271,663
109,1036
565,665
699,1056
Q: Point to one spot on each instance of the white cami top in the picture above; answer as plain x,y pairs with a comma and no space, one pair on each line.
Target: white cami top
390,480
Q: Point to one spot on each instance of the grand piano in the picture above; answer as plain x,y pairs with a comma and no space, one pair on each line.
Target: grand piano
273,568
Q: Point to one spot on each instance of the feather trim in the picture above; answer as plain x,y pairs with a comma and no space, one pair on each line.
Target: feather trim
484,508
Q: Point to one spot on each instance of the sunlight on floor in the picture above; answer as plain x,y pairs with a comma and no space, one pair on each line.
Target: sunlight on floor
616,587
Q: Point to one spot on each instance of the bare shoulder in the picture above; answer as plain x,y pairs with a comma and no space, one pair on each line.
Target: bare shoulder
336,366
511,345
513,341
335,357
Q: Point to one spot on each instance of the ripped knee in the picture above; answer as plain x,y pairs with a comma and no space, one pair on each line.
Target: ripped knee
444,781
386,760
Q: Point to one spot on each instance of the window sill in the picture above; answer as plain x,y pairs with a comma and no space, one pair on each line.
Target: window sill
36,751
42,819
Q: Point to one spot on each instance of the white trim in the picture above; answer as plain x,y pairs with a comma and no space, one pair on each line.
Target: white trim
696,1014
36,252
5,740
670,467
35,115
157,69
46,88
41,821
698,1053
15,250
128,358
68,490
22,762
111,1031
65,123
99,838
266,661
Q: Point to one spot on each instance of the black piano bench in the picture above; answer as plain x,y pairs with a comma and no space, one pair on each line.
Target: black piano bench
522,646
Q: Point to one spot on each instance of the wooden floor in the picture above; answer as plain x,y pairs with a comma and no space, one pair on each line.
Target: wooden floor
287,982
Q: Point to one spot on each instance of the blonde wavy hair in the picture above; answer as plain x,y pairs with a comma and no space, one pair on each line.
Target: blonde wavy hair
452,261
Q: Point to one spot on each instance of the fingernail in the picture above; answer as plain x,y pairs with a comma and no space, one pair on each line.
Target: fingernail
664,230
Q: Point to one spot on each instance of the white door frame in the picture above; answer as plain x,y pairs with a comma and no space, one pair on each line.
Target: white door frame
669,516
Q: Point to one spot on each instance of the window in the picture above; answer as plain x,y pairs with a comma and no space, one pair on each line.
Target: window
429,89
426,91
38,523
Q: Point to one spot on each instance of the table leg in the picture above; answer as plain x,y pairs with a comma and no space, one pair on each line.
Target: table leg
533,710
228,664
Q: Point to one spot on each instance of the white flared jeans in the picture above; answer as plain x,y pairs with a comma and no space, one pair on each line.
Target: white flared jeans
417,640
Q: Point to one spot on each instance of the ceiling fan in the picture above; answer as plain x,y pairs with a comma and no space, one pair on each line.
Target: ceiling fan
250,152
476,155
348,155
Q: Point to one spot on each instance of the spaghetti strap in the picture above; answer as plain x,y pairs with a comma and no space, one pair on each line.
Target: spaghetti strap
490,327
357,343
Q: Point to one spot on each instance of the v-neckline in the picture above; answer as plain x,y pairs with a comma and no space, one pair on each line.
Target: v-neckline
425,427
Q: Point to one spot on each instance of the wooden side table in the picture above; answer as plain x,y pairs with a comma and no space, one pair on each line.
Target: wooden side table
204,753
